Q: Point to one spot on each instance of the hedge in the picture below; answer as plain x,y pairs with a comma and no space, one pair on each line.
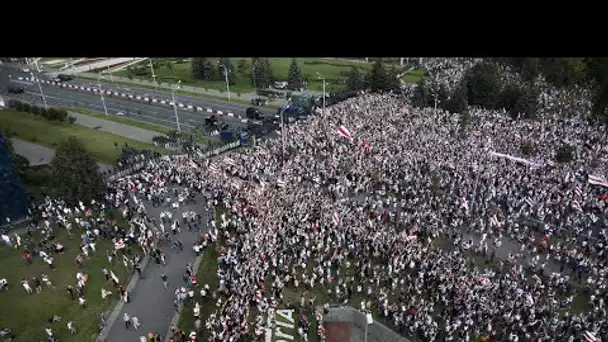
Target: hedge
51,113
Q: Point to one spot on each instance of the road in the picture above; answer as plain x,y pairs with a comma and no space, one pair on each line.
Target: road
150,302
40,155
156,113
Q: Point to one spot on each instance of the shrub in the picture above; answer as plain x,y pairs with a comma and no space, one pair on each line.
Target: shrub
564,154
527,148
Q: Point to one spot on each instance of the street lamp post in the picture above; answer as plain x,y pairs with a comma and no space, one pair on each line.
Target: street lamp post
226,71
153,74
253,74
176,87
323,78
283,125
103,100
38,82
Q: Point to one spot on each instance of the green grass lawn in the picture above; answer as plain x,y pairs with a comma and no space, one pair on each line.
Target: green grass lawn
28,314
331,69
35,129
413,76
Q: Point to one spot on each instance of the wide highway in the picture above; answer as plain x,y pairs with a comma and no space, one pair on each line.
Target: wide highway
156,113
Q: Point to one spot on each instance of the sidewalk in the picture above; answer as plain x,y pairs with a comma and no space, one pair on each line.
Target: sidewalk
151,302
40,155
114,127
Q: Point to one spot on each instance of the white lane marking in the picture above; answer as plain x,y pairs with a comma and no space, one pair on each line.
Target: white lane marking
132,116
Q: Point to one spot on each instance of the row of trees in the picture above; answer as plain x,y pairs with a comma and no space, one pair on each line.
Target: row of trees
52,114
259,72
206,70
379,78
483,84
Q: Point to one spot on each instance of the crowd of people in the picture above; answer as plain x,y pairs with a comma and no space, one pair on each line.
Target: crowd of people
358,197
52,222
379,204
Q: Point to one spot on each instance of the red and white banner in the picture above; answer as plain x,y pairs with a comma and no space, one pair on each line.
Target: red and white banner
598,180
515,159
589,336
335,219
343,131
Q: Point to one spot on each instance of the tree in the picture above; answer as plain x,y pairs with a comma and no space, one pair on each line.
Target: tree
564,72
354,80
377,78
392,82
262,73
458,102
243,67
564,154
295,80
76,174
209,72
225,65
197,68
419,98
169,65
483,84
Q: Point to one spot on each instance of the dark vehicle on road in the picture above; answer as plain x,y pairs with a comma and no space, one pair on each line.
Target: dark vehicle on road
64,78
211,121
14,89
254,113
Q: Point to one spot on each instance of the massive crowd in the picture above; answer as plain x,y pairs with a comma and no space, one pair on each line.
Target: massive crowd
362,198
359,211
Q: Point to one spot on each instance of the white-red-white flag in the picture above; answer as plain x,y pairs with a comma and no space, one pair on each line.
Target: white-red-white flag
598,180
589,336
343,131
336,219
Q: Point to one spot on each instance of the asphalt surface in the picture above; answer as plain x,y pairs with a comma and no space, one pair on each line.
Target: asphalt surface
153,113
40,155
150,301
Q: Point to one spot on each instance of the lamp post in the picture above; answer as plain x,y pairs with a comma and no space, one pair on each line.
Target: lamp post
153,74
226,71
173,89
103,100
38,82
283,125
253,74
324,84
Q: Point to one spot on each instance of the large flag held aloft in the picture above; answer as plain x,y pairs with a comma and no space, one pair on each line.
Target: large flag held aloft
344,132
598,180
515,159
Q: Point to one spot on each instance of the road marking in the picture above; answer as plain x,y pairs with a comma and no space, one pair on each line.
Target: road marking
132,116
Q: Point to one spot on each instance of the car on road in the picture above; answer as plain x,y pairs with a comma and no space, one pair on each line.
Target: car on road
64,78
25,70
13,89
254,113
120,114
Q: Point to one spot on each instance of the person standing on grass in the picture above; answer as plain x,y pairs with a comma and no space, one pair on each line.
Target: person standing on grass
71,328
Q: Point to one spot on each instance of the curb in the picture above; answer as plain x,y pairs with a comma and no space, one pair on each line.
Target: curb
175,320
114,315
137,97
